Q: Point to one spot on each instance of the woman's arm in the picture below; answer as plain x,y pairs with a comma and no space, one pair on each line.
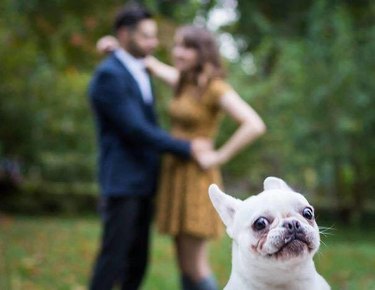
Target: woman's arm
161,70
250,128
107,44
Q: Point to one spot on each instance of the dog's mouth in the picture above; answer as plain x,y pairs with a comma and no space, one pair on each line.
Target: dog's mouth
293,246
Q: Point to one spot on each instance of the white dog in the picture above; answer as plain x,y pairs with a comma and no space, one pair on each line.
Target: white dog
275,237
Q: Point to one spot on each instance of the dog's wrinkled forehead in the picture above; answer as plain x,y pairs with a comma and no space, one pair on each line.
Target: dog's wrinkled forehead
278,202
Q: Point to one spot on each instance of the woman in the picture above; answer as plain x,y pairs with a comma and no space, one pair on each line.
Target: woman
184,210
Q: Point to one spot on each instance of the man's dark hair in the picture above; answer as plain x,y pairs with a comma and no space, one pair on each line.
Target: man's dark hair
130,16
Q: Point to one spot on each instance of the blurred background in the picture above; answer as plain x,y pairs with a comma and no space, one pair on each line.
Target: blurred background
307,67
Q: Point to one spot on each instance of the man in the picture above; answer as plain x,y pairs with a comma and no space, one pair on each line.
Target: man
130,147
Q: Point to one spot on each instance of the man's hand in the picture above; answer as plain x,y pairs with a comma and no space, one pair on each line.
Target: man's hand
200,145
210,158
204,154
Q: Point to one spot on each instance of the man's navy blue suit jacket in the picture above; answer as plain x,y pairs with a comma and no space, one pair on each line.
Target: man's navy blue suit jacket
130,141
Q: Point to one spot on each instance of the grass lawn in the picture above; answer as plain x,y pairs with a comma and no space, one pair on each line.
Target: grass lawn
57,253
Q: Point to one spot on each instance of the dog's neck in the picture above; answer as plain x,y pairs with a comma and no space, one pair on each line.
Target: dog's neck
249,274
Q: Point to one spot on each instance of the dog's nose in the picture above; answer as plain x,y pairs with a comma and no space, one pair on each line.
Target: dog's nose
293,226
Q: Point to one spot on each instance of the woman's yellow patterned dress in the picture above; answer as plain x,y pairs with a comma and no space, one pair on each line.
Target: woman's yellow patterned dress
183,204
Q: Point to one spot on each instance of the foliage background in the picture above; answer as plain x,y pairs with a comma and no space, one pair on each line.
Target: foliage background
307,67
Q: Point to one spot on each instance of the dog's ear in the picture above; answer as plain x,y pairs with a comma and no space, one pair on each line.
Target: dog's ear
225,205
275,183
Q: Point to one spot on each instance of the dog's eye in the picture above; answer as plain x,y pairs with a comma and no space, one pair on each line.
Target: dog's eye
308,213
260,224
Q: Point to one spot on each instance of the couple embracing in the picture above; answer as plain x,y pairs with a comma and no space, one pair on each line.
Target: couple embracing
131,145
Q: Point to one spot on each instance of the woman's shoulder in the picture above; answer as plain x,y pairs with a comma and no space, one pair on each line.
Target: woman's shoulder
218,87
217,81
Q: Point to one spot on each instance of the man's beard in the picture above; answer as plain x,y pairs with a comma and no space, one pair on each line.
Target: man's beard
136,51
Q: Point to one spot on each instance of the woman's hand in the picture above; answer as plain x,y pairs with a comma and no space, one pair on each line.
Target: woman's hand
151,62
163,71
107,44
209,159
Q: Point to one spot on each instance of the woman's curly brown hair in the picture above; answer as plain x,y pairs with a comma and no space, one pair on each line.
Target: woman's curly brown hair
208,66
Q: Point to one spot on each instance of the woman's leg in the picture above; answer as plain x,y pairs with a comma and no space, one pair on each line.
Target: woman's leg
192,257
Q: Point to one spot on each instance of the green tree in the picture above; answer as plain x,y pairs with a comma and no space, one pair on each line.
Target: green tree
314,78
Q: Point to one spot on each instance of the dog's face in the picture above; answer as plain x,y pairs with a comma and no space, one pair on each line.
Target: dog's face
276,225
